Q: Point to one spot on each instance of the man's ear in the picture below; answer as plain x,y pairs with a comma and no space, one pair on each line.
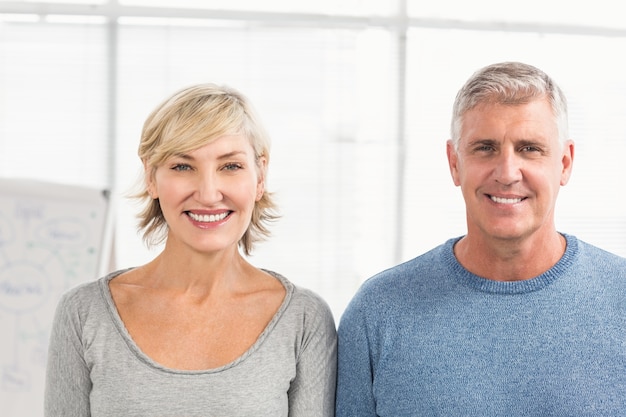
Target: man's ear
567,161
453,162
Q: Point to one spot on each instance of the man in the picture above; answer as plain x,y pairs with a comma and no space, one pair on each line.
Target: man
512,319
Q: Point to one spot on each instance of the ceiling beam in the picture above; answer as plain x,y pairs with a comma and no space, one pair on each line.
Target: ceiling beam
113,10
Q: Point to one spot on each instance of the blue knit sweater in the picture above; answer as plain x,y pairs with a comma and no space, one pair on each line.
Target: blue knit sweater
428,338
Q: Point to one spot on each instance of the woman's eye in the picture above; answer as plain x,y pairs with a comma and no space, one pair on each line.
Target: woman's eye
181,167
232,166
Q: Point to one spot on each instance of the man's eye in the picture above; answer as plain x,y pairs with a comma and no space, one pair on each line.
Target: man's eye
530,149
484,148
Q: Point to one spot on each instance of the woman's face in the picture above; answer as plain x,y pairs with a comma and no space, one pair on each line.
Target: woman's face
207,196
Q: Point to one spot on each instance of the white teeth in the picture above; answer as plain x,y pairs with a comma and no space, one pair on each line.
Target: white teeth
505,200
208,218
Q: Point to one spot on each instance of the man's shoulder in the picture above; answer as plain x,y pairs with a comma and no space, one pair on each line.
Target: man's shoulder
404,279
601,259
589,250
422,265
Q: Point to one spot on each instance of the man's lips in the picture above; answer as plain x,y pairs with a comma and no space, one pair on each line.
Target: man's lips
506,200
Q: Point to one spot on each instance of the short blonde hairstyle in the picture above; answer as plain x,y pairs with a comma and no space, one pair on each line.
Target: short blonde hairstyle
186,121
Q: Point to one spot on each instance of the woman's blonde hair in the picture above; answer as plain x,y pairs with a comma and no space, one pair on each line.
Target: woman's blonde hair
188,120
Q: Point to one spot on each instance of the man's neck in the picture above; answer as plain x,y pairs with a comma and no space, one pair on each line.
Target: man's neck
509,260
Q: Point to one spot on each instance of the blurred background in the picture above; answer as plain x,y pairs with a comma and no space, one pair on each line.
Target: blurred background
356,95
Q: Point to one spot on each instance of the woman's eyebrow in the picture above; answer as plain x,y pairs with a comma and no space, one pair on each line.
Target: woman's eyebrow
231,154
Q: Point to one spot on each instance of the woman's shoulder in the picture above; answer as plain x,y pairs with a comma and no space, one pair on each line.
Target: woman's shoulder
299,293
87,294
303,302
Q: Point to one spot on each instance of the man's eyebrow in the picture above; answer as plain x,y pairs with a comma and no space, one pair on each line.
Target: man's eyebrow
482,142
528,142
518,142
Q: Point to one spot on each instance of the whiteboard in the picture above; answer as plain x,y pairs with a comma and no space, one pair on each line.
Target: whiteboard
51,238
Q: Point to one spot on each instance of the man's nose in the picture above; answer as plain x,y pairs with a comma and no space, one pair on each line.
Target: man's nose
508,169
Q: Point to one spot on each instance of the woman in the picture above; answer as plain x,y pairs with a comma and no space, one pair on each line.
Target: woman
198,331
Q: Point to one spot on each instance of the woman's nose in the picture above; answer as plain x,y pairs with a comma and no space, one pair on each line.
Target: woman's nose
209,189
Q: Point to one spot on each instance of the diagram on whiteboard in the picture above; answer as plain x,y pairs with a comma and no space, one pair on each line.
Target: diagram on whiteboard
50,240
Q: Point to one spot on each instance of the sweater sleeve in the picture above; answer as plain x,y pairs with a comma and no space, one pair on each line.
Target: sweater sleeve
67,384
312,392
355,395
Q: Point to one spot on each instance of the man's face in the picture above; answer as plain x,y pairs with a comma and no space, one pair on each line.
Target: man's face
510,165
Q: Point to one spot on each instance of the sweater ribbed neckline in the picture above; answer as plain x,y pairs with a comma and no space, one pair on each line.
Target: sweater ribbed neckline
511,287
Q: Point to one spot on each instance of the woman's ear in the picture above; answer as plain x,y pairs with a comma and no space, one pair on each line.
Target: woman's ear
262,169
148,173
